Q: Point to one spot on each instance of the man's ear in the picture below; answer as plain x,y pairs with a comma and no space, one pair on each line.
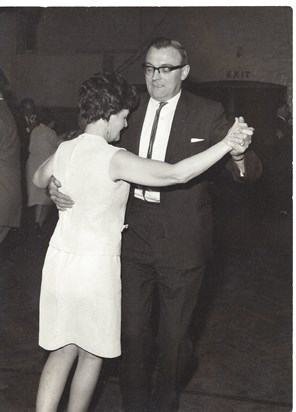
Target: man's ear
185,72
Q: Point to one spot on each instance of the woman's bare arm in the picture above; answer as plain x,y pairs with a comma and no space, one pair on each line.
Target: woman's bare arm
44,173
43,178
127,166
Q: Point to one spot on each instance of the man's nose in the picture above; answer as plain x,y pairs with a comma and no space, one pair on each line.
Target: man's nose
156,74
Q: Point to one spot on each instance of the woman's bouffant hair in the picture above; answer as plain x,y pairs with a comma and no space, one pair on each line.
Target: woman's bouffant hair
103,95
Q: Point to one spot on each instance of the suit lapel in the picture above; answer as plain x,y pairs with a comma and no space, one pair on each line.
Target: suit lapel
178,128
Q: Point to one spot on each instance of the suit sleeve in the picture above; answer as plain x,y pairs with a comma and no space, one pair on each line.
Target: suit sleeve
253,167
219,124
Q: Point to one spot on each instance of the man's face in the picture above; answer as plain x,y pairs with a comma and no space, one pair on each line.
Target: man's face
28,109
163,87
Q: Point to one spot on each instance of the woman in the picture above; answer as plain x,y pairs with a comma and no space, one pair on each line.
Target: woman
81,289
43,143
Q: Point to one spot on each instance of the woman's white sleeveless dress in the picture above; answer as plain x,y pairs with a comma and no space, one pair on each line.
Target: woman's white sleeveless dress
80,300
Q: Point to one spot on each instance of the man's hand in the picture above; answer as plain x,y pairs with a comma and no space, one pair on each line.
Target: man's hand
62,202
246,133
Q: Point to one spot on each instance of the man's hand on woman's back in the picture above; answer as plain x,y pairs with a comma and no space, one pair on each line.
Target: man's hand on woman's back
62,201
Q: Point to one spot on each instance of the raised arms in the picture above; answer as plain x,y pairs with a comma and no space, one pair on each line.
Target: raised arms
127,166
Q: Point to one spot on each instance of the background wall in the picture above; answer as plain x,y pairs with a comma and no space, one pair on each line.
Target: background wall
47,52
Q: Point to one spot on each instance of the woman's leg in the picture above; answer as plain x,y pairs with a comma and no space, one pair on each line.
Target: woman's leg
84,381
54,377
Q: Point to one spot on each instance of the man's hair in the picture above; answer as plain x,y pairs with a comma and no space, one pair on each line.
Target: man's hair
26,103
103,95
163,42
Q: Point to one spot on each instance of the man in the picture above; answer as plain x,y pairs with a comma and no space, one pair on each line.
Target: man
10,179
25,121
168,239
281,160
283,120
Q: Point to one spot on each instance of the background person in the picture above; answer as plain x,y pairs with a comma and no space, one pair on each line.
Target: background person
282,160
25,117
43,143
81,289
26,121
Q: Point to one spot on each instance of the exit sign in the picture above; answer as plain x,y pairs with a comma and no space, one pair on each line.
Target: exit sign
237,74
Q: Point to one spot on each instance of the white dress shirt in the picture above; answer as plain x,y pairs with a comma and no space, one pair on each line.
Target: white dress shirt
161,138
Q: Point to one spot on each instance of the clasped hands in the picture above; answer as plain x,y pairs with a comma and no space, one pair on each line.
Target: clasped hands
239,137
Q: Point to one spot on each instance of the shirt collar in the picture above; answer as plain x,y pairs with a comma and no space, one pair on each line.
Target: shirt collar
171,102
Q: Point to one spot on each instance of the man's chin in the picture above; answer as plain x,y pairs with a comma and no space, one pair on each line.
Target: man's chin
158,93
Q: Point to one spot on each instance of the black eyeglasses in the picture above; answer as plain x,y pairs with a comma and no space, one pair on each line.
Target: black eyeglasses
164,70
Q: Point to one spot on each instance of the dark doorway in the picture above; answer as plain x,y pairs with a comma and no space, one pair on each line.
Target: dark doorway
255,101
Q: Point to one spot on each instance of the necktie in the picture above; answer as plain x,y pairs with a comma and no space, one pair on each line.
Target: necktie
153,134
154,128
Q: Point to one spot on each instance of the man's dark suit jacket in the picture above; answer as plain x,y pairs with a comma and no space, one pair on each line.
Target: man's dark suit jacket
187,214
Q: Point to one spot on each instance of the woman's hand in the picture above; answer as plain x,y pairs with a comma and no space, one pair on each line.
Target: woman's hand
239,136
62,202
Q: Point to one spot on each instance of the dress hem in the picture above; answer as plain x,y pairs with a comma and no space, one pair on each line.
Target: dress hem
102,354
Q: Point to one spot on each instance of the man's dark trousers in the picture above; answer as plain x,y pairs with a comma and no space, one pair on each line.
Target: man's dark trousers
145,266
